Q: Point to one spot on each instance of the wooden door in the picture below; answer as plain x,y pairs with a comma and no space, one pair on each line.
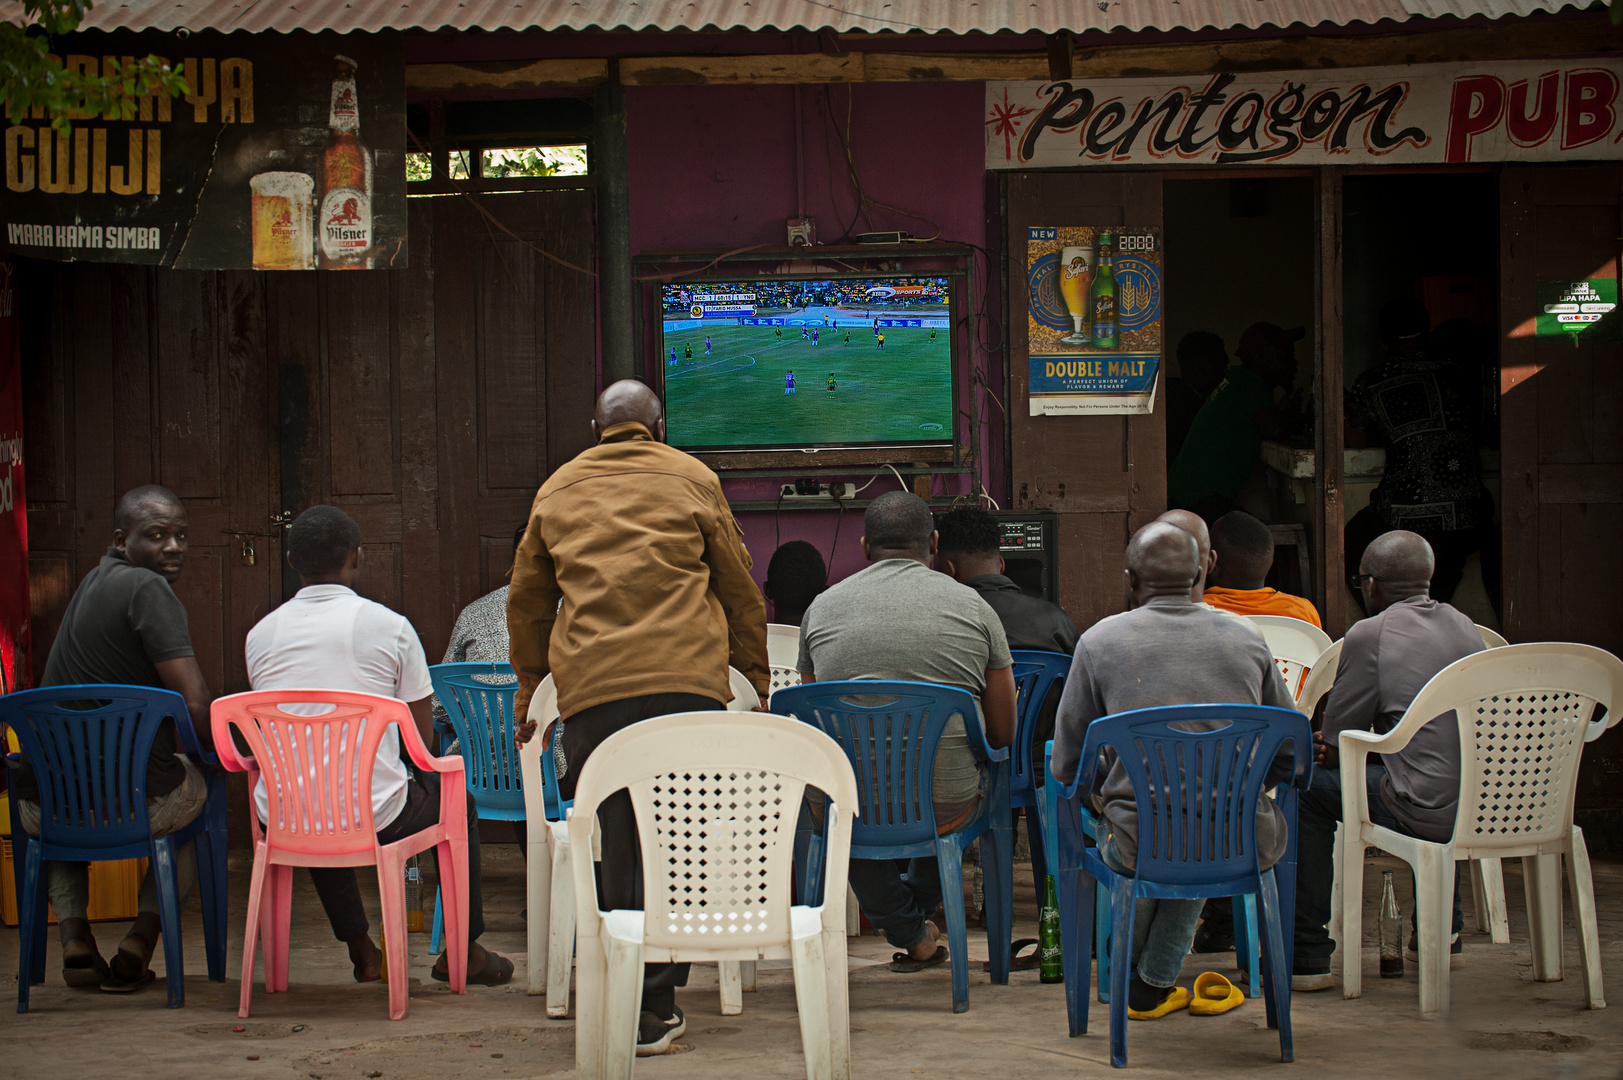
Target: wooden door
1561,432
1104,475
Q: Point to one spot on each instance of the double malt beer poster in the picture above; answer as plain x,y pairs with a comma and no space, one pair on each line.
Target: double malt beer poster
286,154
1094,318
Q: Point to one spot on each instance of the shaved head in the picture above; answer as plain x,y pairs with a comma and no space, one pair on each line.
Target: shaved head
138,503
1162,560
629,401
1193,524
1245,551
1400,560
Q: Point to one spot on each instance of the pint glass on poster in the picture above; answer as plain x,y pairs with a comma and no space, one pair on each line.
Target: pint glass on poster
1075,276
284,231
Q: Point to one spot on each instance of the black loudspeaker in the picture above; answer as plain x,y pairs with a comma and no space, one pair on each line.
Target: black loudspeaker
1029,543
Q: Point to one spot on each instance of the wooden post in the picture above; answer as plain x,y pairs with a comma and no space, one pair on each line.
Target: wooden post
616,334
1329,506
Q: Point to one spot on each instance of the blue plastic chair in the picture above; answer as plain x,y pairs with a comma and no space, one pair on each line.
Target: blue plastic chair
481,715
1197,794
1036,672
91,766
896,819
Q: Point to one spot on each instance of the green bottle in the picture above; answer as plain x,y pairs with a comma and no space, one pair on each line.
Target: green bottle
1103,296
1050,965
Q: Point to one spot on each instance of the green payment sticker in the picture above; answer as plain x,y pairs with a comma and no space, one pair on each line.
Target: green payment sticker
1578,307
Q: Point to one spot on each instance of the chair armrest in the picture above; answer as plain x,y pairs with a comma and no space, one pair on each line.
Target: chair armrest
1355,748
412,740
225,747
978,745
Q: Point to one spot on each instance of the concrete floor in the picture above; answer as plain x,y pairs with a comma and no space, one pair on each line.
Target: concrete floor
328,1028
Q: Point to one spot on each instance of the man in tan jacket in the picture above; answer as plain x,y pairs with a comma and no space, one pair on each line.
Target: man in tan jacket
632,587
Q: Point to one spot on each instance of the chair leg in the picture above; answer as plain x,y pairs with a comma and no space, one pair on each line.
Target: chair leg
392,899
1541,875
1279,974
1434,905
1123,904
1075,891
437,928
213,889
1488,890
853,914
278,935
811,1001
746,976
1039,860
1352,912
561,936
732,990
31,919
254,921
997,863
1582,883
621,1008
1335,894
174,957
949,857
837,990
453,852
538,901
591,990
1247,942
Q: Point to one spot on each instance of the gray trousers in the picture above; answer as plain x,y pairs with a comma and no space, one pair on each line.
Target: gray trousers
67,884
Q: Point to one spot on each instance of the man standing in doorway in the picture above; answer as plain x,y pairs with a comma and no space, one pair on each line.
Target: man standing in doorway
630,586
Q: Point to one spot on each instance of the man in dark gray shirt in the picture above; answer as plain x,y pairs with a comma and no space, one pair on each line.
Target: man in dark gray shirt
1385,660
1167,650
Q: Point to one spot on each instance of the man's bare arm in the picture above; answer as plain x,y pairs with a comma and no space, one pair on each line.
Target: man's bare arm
997,706
422,711
184,677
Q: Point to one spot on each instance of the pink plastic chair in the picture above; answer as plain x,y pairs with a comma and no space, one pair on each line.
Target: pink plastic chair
320,807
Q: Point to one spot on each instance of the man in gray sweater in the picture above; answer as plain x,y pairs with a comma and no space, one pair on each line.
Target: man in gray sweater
1167,650
1385,660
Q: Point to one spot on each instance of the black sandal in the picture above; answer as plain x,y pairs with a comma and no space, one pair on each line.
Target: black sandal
903,964
1029,962
498,971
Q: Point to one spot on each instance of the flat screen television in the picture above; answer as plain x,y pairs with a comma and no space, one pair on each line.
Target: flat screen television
808,363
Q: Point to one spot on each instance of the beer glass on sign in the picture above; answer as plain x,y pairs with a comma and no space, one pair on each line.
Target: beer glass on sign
1075,275
284,235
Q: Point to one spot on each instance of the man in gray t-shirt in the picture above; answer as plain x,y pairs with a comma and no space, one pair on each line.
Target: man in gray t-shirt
898,619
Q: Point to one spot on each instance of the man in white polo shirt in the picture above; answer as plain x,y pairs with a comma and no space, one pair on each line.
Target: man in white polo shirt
328,638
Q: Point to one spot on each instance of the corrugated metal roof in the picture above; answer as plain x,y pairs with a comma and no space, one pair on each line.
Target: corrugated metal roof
953,16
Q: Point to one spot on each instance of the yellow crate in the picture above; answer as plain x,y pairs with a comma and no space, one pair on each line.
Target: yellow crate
115,886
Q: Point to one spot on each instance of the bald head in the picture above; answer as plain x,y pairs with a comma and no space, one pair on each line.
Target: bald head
1396,566
1162,560
630,401
1193,524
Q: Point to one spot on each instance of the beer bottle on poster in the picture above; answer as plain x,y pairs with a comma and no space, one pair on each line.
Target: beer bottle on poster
344,221
1104,296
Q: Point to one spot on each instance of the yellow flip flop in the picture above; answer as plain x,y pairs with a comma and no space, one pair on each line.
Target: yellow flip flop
1178,999
1214,995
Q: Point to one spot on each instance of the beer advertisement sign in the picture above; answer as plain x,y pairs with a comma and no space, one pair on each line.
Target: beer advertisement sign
1094,318
286,154
1539,110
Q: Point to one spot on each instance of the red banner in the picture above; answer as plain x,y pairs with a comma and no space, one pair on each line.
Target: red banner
14,641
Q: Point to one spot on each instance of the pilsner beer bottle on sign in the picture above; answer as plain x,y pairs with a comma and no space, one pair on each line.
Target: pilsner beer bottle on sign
344,222
1104,297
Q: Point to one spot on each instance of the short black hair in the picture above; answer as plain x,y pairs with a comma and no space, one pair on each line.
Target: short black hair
795,576
898,520
968,530
518,535
1403,319
134,502
1198,345
1243,543
320,540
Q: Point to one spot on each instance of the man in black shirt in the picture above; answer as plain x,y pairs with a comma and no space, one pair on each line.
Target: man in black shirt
125,625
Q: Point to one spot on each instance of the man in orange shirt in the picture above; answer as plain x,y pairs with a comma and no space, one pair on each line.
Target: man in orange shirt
1244,550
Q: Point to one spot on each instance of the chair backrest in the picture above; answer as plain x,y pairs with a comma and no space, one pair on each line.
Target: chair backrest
1525,712
783,646
1295,644
1197,790
91,762
317,769
1321,676
717,802
478,700
889,732
744,696
1035,673
1491,638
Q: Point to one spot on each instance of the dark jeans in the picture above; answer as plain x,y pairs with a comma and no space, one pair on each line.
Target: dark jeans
897,902
619,874
1450,548
1320,810
340,893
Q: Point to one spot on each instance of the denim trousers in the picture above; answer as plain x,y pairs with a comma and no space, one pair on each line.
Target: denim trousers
67,884
897,901
1163,930
1319,813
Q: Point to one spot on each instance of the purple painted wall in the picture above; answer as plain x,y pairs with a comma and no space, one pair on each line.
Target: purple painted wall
714,168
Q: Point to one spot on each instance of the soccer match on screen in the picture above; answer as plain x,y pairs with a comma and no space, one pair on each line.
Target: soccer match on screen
834,362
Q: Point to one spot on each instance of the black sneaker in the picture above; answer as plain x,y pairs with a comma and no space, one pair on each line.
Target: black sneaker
1210,938
655,1033
1412,952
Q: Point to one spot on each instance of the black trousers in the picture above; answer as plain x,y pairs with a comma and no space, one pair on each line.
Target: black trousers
1450,548
340,893
619,875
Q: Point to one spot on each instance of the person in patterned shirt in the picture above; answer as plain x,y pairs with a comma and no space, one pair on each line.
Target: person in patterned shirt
1426,410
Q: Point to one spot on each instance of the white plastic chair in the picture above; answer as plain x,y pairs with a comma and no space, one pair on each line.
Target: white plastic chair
716,803
783,655
1491,638
1296,645
1321,676
1525,712
549,889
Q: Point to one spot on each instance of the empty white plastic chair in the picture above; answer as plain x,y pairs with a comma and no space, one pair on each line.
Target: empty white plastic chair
716,804
1296,645
1524,713
550,891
